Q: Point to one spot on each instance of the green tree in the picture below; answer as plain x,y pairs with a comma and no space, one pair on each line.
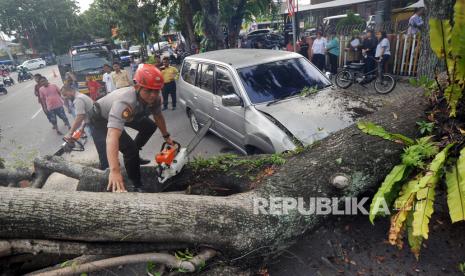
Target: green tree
49,25
134,18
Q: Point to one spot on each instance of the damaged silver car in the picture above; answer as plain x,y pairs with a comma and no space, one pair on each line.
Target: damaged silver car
263,101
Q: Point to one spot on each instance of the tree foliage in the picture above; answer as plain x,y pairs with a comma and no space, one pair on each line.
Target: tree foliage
50,25
134,18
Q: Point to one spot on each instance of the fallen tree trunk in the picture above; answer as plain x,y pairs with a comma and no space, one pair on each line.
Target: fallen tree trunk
21,246
226,223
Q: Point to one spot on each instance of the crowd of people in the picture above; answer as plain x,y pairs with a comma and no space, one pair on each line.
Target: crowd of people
128,103
361,47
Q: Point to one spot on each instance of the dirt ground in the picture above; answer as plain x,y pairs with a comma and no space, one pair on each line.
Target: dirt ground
351,245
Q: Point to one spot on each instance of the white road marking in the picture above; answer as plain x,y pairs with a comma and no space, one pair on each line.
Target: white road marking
37,113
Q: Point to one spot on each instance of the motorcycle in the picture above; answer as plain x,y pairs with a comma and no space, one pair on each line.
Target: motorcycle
24,75
2,88
7,80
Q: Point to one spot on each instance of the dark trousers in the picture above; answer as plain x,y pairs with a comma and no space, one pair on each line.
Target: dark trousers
370,65
333,63
169,89
130,148
319,60
60,112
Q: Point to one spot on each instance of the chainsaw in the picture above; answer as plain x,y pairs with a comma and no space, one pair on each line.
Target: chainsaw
172,158
76,143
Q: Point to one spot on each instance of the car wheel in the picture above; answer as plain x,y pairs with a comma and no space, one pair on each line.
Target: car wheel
41,66
193,120
251,150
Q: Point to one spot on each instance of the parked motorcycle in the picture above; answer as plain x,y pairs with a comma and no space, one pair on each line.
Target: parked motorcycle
7,80
2,87
24,75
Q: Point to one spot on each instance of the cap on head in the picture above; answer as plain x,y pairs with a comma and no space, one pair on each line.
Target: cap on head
148,76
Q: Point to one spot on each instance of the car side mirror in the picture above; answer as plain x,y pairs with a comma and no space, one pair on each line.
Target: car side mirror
231,100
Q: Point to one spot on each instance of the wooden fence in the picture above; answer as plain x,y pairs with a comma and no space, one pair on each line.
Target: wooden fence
405,51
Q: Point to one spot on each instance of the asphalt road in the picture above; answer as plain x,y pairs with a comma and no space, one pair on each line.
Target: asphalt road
26,132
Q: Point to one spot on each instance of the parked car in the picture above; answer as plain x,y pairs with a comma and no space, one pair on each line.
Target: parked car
135,50
33,64
262,101
123,57
161,46
86,64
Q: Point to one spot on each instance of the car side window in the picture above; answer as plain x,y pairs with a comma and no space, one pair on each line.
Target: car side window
206,77
224,85
188,72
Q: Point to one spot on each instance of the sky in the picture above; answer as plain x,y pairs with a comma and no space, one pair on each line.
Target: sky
84,4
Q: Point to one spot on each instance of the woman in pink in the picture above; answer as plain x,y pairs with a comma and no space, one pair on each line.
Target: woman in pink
50,94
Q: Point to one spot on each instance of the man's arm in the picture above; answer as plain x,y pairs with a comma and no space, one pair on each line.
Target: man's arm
76,124
115,179
161,124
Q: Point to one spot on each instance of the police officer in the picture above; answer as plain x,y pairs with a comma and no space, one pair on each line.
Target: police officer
131,107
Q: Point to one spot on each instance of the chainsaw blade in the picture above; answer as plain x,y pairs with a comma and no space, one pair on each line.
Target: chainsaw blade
198,137
59,152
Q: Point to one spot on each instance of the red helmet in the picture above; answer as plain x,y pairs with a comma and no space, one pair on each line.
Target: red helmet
148,76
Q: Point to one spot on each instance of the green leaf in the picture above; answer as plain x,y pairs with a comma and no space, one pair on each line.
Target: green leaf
424,208
386,193
376,130
408,190
426,193
455,180
440,35
414,241
458,38
415,155
453,93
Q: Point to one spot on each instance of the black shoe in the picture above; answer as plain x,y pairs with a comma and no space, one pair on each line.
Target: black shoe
164,108
144,161
174,107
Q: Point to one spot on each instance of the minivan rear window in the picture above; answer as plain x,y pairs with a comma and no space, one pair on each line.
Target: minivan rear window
280,79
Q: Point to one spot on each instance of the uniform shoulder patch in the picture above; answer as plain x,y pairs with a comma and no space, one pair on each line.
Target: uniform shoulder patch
127,114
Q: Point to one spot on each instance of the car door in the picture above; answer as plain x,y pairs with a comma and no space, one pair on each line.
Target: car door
34,64
229,120
202,93
27,64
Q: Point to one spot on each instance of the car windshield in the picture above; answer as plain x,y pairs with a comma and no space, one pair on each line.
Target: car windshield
90,61
280,79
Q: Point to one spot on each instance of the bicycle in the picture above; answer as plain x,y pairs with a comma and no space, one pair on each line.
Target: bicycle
353,73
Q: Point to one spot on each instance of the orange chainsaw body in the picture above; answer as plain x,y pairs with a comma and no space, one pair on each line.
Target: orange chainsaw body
77,134
167,155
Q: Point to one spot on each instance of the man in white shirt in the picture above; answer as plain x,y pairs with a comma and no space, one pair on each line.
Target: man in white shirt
319,51
107,78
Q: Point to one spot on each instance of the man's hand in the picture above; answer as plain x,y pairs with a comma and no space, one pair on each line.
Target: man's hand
115,182
68,138
169,141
